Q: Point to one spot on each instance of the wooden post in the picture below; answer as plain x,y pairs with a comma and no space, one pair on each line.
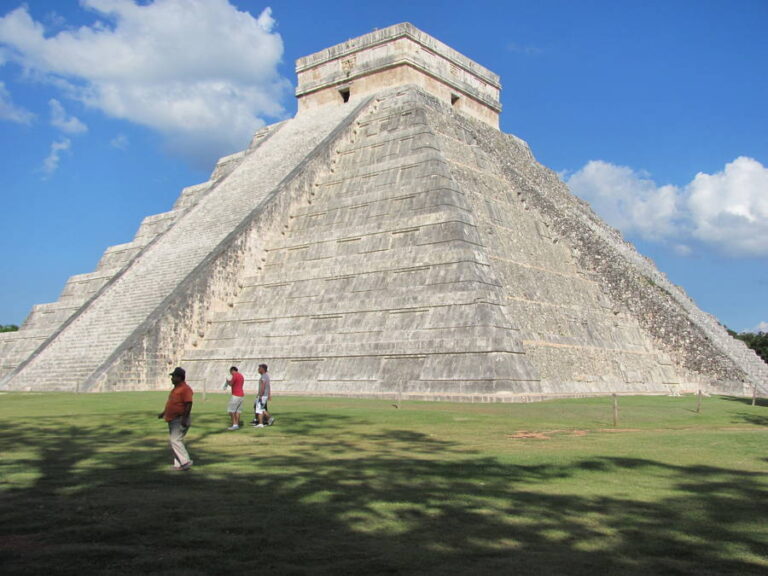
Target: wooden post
698,403
615,410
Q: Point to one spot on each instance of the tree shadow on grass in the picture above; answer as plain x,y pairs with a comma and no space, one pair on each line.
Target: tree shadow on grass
755,419
759,418
323,495
761,402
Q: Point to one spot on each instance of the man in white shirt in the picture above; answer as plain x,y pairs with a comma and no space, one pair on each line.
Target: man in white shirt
264,396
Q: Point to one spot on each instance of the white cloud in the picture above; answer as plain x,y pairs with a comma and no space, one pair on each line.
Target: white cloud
762,327
628,200
9,111
65,123
120,142
727,210
51,163
730,208
199,71
682,249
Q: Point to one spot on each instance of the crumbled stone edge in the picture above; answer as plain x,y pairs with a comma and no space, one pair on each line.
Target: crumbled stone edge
690,336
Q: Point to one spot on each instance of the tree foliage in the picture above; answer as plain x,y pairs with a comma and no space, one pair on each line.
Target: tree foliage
8,327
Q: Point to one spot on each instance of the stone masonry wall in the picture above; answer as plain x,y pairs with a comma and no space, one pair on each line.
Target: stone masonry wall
90,338
692,338
570,330
376,285
395,246
183,320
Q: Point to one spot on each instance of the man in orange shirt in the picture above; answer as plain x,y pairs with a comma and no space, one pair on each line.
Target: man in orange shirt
177,413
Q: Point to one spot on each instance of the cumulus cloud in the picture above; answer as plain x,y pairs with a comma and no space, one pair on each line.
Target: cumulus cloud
199,71
9,111
120,142
727,210
628,200
730,208
61,120
51,163
762,327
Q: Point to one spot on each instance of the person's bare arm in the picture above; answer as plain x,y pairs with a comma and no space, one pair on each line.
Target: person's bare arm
187,411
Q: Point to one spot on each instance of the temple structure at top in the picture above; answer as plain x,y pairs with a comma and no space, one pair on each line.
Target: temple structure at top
399,55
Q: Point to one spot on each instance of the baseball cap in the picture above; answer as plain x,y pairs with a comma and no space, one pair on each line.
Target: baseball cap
180,372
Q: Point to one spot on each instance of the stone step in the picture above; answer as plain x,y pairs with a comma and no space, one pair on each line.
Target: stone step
127,302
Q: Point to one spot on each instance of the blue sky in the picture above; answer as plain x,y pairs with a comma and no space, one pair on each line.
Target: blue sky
653,111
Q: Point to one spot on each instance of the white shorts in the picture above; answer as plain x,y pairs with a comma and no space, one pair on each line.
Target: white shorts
260,406
235,404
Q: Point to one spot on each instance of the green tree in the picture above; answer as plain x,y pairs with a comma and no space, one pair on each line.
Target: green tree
8,327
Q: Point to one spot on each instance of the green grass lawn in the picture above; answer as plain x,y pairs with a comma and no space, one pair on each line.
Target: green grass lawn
343,486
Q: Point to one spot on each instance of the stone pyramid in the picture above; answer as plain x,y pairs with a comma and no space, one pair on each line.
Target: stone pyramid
387,241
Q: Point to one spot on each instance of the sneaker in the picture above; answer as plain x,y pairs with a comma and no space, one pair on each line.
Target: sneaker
271,421
183,467
258,425
235,427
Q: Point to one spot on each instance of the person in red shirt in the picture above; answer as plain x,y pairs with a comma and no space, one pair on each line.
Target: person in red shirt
236,381
177,413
